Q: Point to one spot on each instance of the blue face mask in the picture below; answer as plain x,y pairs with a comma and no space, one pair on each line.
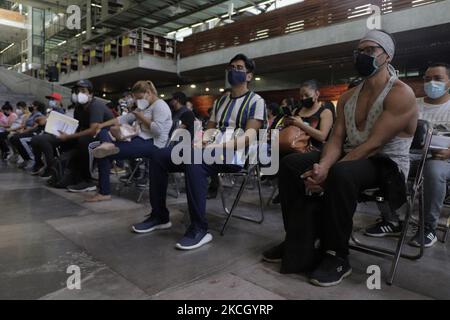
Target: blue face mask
52,104
236,77
435,89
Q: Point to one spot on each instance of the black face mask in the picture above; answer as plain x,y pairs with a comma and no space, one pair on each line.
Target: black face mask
308,102
286,111
366,65
30,109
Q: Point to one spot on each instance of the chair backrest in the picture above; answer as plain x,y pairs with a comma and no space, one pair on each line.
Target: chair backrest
420,136
421,143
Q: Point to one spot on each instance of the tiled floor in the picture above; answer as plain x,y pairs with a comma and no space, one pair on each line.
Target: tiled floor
44,231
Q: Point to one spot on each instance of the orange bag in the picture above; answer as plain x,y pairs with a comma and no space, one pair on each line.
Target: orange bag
294,139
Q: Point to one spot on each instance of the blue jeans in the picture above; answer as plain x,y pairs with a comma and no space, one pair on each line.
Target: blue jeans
136,148
196,179
435,175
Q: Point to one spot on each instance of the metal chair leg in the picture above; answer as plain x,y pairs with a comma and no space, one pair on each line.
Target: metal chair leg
404,232
127,183
141,194
258,183
446,231
400,244
398,252
229,212
177,188
272,195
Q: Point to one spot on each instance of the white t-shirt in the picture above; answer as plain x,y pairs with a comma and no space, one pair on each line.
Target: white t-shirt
232,113
161,122
437,114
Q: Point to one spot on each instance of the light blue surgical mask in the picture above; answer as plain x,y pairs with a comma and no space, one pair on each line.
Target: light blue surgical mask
52,104
435,89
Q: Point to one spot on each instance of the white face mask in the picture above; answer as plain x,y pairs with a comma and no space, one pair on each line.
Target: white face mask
142,104
74,98
83,98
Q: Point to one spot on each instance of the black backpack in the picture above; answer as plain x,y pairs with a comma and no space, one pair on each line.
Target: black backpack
60,175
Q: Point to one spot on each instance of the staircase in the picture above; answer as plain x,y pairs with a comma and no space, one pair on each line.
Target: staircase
16,87
13,98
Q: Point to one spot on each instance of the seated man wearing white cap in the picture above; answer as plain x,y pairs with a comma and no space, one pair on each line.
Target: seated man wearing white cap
375,125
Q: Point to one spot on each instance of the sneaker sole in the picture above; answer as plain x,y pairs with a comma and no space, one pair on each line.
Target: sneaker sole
206,239
271,260
417,245
83,190
36,173
330,284
100,153
157,227
382,235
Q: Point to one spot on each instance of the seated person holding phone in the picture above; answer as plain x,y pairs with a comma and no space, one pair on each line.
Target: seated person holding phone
435,108
154,121
376,120
311,117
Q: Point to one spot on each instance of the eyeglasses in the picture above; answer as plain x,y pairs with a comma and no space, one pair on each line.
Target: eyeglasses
236,68
370,50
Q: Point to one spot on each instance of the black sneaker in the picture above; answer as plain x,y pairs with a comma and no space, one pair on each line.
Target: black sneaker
383,229
46,174
150,224
82,187
331,271
430,239
274,254
37,170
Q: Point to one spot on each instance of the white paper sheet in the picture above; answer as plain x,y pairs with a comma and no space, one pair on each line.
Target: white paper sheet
440,142
57,122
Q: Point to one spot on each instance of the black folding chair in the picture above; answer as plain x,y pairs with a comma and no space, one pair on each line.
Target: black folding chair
419,148
251,170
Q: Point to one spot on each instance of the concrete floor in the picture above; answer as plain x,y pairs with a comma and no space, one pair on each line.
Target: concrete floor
43,231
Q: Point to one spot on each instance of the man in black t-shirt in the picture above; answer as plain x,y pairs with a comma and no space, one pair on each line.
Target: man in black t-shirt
90,112
182,117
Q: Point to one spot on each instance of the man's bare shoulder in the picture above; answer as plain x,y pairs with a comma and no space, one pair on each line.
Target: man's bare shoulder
346,96
401,89
400,96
